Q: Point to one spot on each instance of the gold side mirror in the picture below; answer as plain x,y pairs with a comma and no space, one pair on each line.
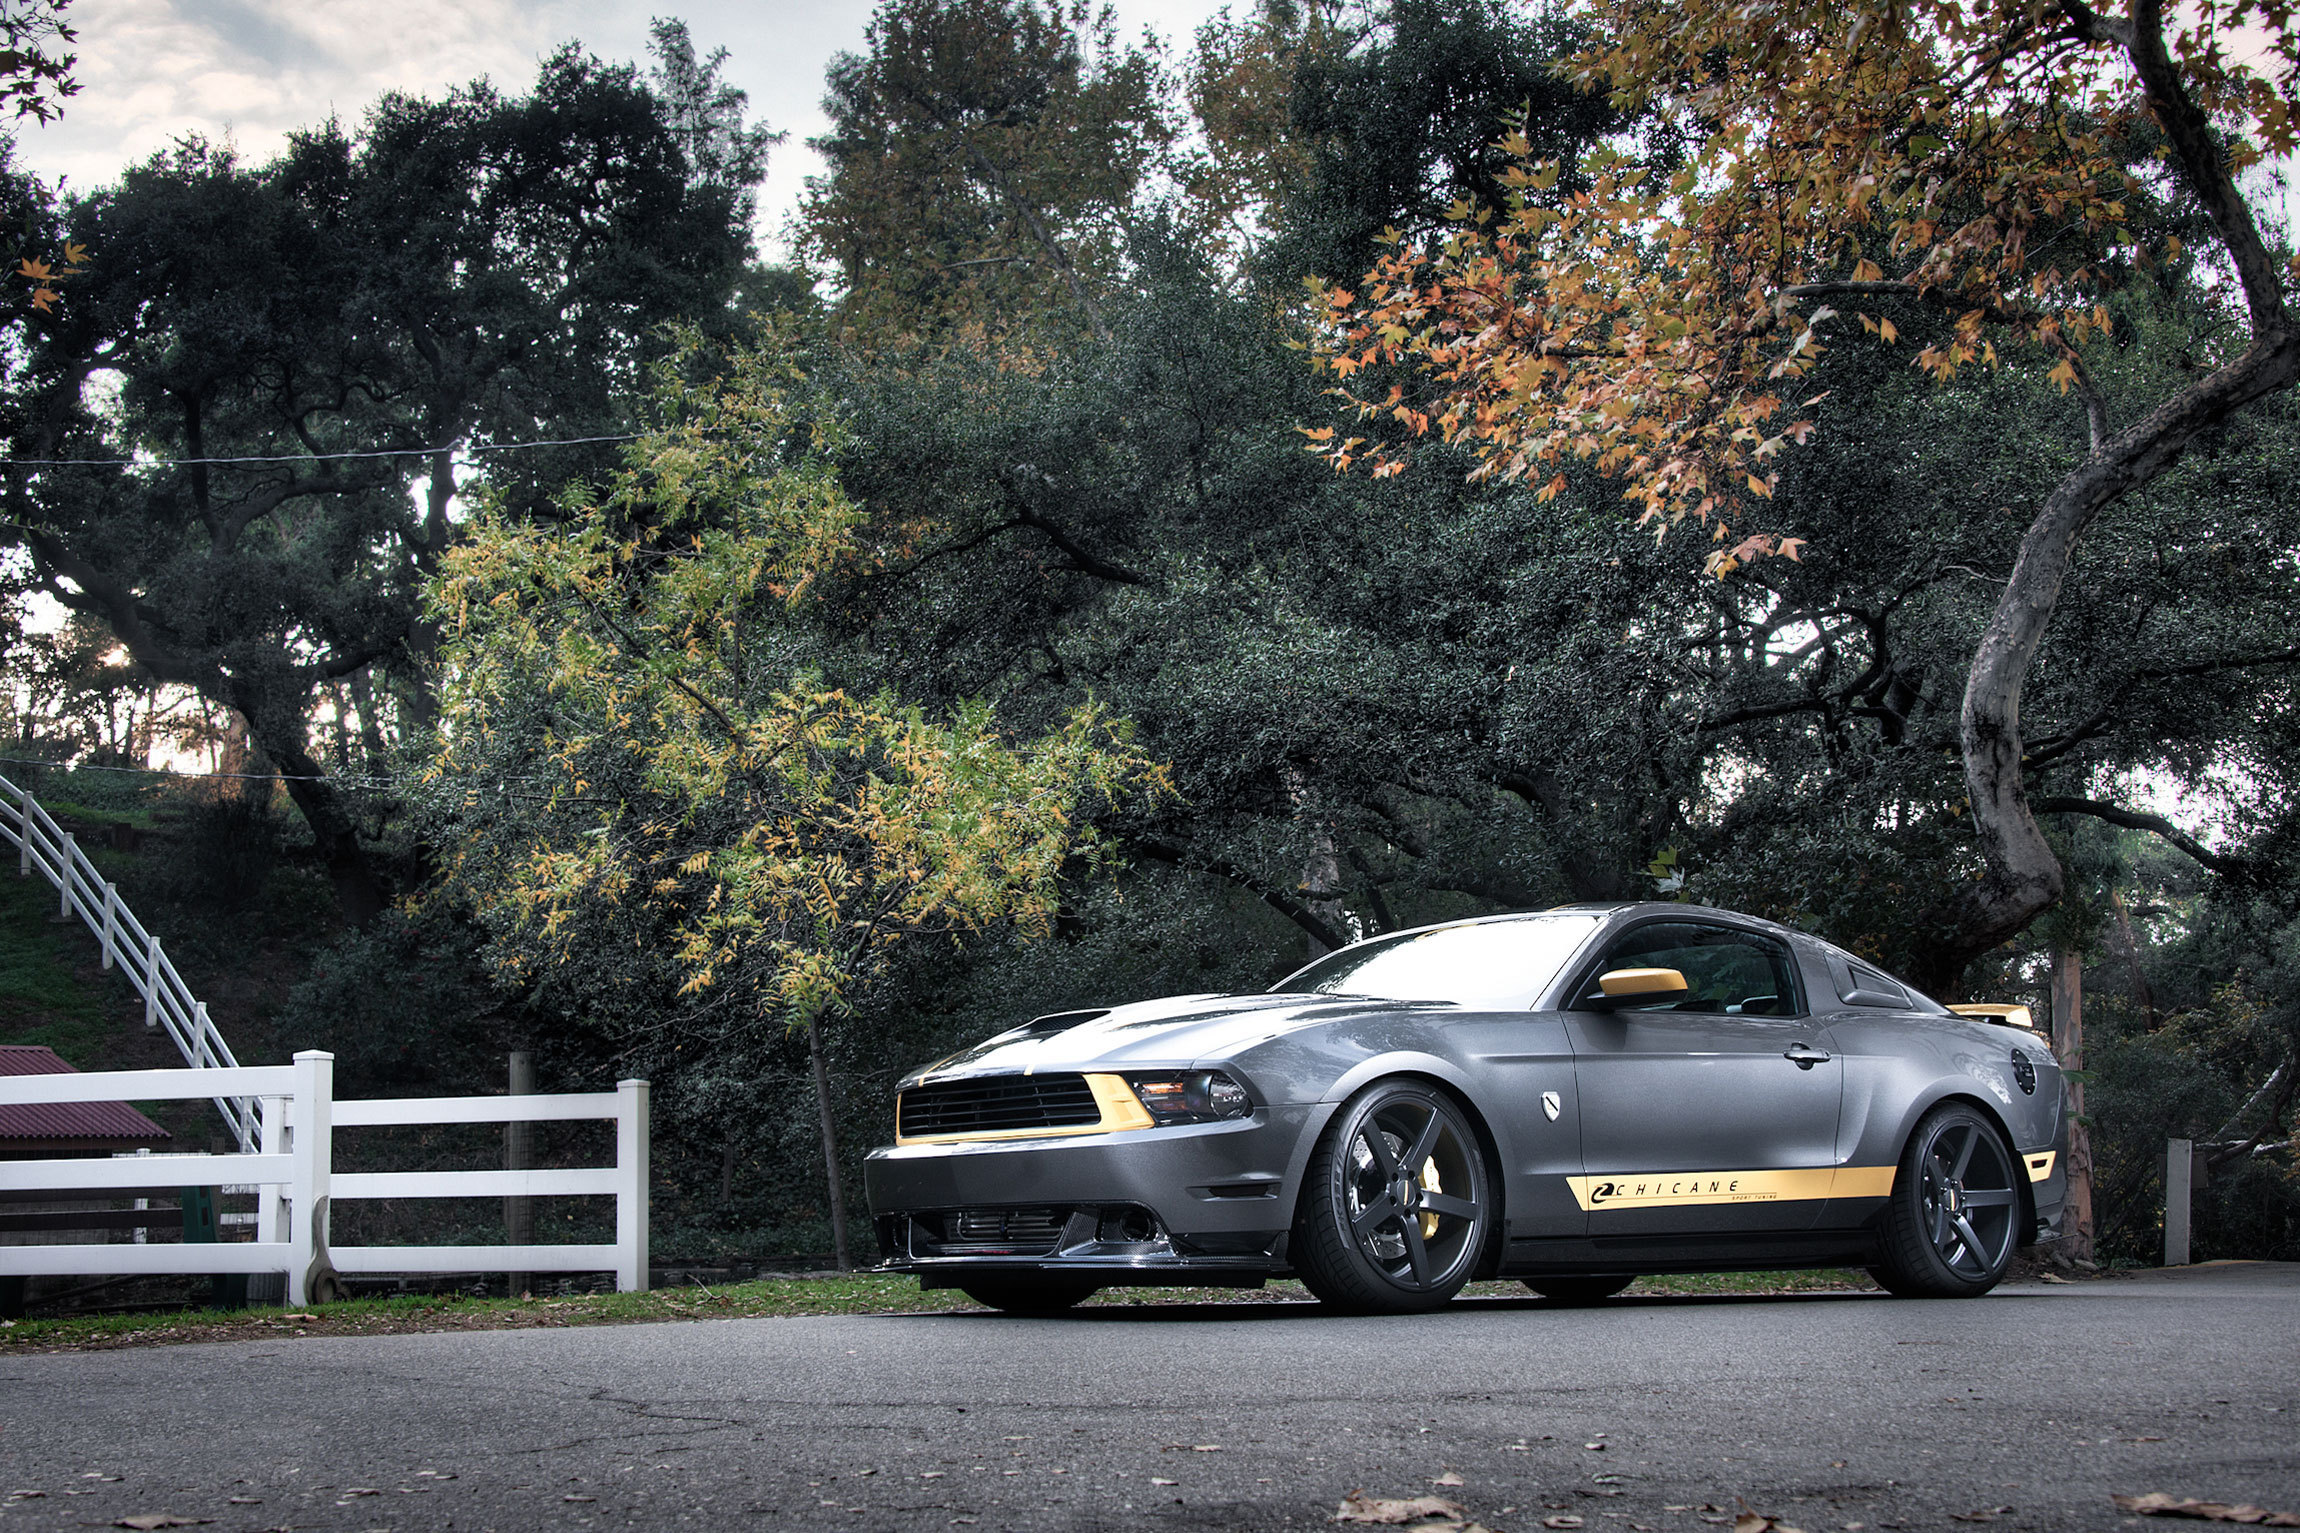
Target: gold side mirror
1641,984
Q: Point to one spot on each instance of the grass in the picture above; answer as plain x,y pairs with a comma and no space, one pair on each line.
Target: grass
42,999
866,1293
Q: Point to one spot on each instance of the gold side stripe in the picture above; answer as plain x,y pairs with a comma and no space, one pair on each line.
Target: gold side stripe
1121,1109
2040,1164
1679,1189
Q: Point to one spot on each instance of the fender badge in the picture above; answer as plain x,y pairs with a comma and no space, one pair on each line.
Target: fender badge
1551,1105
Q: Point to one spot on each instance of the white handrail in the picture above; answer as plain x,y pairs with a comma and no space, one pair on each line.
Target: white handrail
82,890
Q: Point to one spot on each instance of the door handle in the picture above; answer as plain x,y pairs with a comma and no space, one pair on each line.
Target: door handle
1805,1056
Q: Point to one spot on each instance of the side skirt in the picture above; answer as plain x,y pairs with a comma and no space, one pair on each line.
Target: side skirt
1691,1253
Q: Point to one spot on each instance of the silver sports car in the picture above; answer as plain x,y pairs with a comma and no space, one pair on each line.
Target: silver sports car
1571,1098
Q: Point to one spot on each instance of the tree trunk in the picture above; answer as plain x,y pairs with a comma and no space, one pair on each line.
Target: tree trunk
2142,991
370,728
359,891
2023,878
2068,1042
830,1149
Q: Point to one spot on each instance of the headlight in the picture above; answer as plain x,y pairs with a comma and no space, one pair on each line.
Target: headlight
1203,1096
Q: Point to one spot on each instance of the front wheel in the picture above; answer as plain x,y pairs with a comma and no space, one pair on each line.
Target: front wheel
1952,1220
1578,1290
1396,1206
1029,1294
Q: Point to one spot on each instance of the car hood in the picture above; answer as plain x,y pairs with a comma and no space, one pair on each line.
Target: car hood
1175,1031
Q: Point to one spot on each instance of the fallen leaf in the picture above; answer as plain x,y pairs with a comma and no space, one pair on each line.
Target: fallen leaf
2145,1440
2157,1504
1205,1447
243,1500
1360,1507
1448,1478
578,1498
2053,1277
1594,1447
299,1316
1985,1514
1561,1520
160,1520
361,1490
1156,1481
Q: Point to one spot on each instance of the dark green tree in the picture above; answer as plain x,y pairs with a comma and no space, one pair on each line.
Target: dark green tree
459,275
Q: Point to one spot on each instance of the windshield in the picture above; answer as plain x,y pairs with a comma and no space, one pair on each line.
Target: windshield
1489,964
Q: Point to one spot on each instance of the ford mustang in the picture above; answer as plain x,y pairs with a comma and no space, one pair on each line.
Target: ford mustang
1572,1098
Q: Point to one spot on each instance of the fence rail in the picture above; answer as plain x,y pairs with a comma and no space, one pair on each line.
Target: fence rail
295,1181
43,845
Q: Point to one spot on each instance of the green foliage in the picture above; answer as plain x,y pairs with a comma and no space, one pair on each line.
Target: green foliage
630,675
984,158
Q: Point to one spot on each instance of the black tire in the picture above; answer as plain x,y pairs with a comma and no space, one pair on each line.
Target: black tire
1397,1203
1954,1217
1029,1293
1578,1290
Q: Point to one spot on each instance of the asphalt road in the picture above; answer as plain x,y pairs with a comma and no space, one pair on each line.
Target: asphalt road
1832,1413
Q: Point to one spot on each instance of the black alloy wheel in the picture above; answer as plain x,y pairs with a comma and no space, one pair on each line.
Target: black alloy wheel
1954,1216
1029,1293
1396,1206
1578,1290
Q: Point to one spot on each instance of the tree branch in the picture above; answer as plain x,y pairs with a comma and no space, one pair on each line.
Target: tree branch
1269,894
2156,824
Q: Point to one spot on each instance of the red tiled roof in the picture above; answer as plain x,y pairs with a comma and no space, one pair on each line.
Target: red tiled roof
109,1121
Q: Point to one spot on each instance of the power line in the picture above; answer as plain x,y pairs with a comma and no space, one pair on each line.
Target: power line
67,766
315,457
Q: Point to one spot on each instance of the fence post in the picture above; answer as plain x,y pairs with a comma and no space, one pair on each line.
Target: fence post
2179,1164
518,1142
200,1026
152,982
631,1202
23,833
314,1159
270,1199
111,919
64,883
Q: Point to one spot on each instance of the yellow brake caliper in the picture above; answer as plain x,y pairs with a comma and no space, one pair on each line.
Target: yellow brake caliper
1430,1184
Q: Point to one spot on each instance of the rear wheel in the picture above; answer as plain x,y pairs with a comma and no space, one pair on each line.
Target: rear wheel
1952,1221
1029,1294
1396,1206
1578,1290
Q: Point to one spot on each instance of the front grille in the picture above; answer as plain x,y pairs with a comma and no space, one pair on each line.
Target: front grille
995,1231
996,1104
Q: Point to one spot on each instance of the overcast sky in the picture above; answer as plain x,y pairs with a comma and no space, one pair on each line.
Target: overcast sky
151,70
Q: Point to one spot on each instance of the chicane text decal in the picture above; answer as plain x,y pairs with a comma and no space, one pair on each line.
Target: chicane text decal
1672,1189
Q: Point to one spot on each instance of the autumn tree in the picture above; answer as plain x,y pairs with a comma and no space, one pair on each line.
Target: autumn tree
984,155
1982,184
633,750
35,70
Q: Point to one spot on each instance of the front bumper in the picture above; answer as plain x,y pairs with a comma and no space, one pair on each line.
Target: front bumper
1203,1203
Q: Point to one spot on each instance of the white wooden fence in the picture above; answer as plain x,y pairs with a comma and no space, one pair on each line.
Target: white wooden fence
168,1002
293,1172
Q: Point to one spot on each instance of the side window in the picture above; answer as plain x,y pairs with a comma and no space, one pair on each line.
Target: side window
1733,973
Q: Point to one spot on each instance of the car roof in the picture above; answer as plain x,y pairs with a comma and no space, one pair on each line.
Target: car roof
1624,909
